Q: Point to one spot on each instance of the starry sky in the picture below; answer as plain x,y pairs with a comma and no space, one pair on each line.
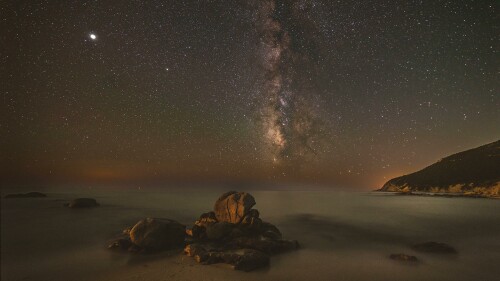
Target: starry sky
344,93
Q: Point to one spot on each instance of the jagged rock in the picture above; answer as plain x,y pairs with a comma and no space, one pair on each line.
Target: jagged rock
233,206
206,219
26,195
155,234
198,231
235,234
404,258
435,248
82,203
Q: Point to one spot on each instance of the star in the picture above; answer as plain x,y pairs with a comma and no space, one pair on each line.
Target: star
93,36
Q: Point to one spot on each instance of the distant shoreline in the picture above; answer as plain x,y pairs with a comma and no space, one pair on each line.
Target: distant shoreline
432,194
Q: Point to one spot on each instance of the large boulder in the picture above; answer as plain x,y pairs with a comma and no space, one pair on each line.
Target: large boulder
82,203
26,195
156,234
233,206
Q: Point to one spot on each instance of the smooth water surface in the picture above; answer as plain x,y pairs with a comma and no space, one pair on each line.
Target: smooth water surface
344,236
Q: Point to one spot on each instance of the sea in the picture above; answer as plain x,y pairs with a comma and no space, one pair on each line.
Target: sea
343,235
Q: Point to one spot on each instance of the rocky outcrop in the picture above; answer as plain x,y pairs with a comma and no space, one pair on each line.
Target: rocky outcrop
151,235
471,173
434,248
82,203
26,195
235,234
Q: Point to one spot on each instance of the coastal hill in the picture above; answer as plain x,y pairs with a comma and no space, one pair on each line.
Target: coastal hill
474,172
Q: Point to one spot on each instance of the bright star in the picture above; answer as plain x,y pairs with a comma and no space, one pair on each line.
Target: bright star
93,36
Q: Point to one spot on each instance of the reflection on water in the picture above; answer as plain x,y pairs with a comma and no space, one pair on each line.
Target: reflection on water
346,235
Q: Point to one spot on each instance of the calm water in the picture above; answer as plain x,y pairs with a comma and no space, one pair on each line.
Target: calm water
345,236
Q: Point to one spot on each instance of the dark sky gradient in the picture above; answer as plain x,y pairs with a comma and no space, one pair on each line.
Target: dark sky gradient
179,90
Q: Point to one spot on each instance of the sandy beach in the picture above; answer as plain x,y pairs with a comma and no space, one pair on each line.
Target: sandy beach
343,236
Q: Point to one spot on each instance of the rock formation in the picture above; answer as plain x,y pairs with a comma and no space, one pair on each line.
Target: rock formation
473,173
234,234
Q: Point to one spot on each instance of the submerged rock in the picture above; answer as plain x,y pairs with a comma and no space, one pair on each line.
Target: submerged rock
154,234
404,258
82,203
26,195
435,248
232,206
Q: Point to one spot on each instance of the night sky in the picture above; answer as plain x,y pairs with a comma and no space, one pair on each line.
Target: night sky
348,93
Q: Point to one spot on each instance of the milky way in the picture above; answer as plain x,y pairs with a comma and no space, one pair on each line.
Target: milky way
289,120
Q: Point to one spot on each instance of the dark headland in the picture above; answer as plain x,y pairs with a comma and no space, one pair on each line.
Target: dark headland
473,173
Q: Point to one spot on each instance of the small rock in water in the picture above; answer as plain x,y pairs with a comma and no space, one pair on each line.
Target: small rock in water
435,248
404,258
82,203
